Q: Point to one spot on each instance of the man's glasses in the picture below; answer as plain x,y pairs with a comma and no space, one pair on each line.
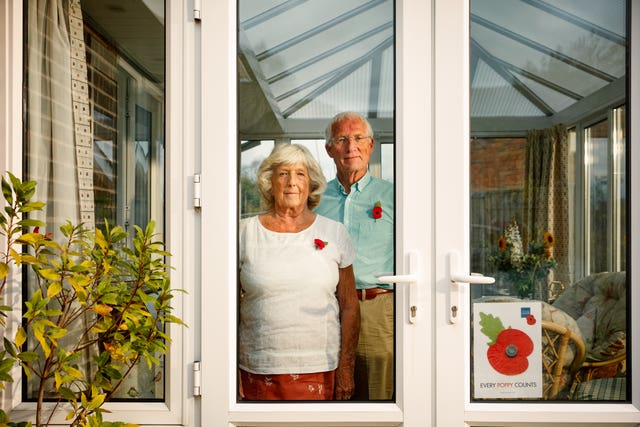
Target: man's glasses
344,140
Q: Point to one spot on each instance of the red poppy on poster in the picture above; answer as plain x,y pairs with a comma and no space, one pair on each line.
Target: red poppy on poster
507,359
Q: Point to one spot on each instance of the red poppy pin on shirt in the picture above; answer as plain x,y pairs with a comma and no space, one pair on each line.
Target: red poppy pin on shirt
376,212
319,244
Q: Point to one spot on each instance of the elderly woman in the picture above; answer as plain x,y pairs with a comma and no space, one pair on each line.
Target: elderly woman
299,314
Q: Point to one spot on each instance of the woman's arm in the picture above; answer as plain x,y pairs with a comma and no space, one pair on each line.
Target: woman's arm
349,332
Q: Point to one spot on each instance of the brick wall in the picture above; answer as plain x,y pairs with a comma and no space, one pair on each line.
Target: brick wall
497,164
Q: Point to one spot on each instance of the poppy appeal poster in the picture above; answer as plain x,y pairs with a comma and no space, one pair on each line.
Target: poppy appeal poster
507,349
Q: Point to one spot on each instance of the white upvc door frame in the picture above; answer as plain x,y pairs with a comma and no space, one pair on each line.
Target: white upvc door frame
179,406
451,202
414,378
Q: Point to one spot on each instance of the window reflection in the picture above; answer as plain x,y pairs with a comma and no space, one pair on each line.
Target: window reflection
548,186
94,127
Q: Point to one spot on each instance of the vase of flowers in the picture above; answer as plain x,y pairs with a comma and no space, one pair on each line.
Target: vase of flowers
525,270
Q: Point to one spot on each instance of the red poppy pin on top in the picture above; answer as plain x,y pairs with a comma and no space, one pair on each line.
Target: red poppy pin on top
319,244
376,212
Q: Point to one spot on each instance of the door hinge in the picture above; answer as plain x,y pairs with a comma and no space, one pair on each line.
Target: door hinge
197,7
197,191
197,378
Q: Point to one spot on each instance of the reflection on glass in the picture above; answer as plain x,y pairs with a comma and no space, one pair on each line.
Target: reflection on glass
548,202
597,195
252,154
619,189
94,121
299,64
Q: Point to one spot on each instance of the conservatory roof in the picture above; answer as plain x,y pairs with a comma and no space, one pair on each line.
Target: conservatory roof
529,58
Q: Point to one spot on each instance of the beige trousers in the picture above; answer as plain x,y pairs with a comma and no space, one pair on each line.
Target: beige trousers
374,369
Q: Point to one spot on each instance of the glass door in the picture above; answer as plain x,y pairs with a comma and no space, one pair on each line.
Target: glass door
292,67
532,190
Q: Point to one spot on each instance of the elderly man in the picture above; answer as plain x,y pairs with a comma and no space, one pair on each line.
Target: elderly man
365,205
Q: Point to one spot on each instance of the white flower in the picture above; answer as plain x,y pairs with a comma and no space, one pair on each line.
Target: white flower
514,242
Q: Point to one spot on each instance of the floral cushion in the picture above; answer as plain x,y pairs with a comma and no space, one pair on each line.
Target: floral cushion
598,302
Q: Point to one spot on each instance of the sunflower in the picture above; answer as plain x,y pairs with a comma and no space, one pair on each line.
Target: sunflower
549,239
502,244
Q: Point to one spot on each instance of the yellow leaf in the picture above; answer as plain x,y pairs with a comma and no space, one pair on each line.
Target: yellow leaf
17,258
96,402
54,289
21,337
49,274
102,309
58,378
4,270
75,373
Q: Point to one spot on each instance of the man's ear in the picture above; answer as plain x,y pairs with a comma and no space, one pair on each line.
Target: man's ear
328,148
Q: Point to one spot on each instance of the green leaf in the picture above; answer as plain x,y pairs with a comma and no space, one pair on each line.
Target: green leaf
28,356
95,403
30,222
6,365
9,347
32,206
7,193
67,394
491,326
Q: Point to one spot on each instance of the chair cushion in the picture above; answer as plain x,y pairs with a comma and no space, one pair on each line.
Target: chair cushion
598,303
602,389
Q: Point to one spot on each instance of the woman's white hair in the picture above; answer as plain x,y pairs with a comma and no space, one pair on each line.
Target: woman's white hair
288,154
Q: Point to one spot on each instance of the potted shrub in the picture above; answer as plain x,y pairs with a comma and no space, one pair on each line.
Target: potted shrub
89,294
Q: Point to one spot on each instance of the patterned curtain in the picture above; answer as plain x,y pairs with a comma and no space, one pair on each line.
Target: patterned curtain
546,197
58,126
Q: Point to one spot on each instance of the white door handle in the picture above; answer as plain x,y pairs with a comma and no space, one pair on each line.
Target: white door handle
456,277
410,279
473,278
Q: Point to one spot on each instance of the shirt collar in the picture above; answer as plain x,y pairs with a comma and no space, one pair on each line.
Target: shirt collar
358,185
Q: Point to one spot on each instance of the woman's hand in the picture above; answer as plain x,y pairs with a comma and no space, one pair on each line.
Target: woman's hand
345,384
349,332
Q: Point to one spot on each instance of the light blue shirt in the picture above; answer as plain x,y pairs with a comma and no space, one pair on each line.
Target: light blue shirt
372,238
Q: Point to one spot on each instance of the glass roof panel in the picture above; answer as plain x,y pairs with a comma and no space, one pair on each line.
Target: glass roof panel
529,57
571,76
493,96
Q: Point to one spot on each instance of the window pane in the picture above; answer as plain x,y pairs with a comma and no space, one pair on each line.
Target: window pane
300,64
316,147
94,130
548,200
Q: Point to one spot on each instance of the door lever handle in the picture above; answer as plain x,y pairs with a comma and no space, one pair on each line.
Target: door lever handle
456,277
410,279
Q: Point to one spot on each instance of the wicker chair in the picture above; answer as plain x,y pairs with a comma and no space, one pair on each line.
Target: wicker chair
563,352
598,303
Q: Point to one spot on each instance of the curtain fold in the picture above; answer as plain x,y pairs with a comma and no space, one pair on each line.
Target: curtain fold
50,125
546,196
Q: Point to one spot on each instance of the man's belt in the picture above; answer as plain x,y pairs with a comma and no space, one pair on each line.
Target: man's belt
367,294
